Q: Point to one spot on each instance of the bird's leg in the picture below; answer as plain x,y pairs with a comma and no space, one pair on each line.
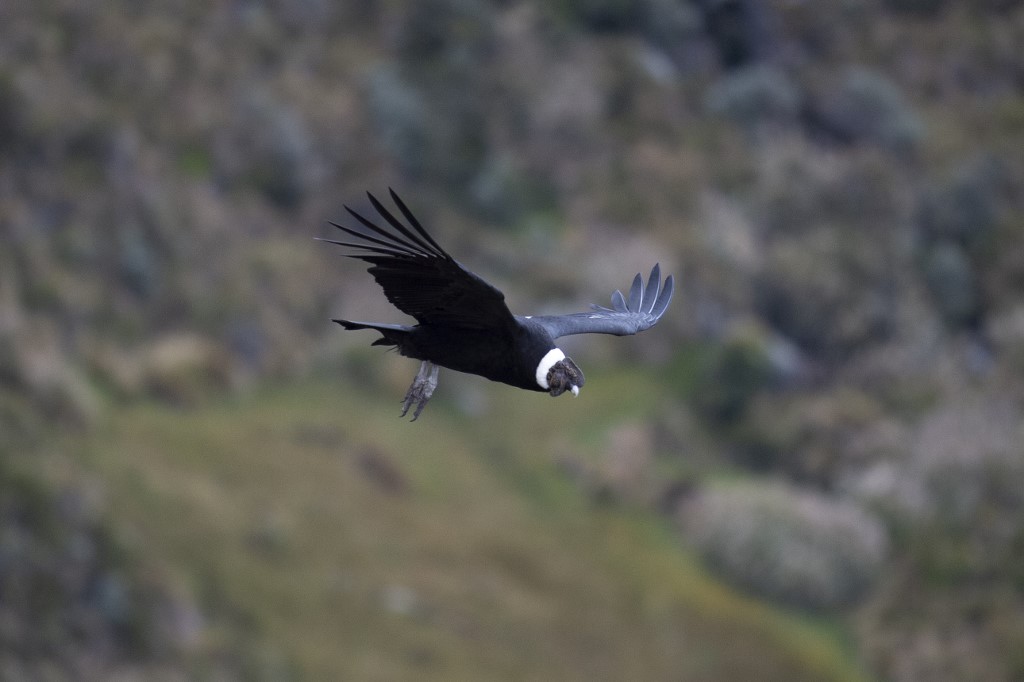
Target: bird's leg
422,388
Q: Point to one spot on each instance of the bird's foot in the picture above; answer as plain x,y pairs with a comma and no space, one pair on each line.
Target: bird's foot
422,388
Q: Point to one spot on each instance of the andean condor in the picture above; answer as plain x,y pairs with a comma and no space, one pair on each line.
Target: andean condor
464,323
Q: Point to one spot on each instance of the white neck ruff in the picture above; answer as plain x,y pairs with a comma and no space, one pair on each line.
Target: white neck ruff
546,363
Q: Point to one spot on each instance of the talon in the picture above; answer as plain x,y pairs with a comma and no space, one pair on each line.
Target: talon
422,388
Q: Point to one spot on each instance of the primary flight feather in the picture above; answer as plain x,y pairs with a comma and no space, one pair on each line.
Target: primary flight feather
463,322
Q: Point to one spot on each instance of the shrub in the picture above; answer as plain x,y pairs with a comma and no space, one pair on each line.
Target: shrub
780,543
269,148
953,283
182,367
968,458
669,23
964,208
732,375
755,95
957,586
801,189
806,436
828,291
866,107
137,263
604,15
445,33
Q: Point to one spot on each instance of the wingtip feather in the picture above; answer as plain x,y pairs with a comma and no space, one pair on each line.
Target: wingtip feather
636,293
619,302
664,297
653,288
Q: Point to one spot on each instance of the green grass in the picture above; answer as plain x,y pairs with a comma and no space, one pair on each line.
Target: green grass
482,563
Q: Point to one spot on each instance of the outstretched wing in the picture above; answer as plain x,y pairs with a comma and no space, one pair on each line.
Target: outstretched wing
419,277
642,311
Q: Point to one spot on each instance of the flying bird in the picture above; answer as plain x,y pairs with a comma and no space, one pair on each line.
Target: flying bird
463,322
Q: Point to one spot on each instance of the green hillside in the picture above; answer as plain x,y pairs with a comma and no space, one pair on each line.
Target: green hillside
351,545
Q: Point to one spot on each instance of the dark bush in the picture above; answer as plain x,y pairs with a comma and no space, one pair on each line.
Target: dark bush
731,376
742,30
965,208
138,266
603,15
445,33
671,23
866,107
953,283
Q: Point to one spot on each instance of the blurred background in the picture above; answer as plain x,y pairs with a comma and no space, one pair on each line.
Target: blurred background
811,469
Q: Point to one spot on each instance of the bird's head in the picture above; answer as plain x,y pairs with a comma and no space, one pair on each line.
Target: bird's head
564,376
558,374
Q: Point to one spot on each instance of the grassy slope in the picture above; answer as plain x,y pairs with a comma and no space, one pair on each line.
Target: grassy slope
489,565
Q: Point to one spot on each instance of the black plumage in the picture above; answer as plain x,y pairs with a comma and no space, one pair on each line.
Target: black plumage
463,322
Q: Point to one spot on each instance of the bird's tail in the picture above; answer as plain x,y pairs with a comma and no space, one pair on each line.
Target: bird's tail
391,334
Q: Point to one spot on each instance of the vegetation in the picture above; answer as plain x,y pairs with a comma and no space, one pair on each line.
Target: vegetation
340,544
836,186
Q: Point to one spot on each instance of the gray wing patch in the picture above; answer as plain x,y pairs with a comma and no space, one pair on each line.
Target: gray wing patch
641,310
